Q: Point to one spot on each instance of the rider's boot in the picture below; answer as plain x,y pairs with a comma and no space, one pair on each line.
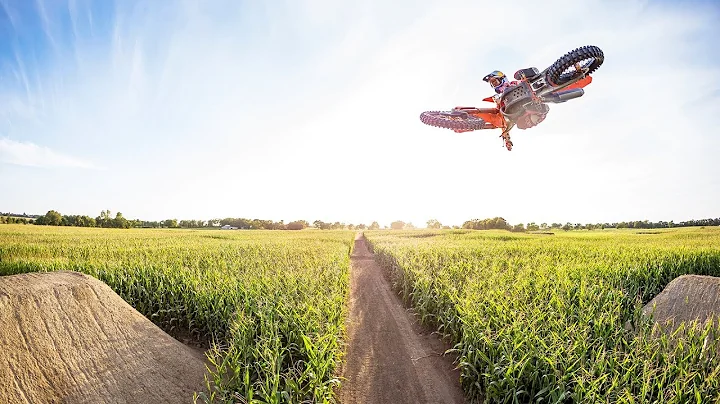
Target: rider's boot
508,144
506,138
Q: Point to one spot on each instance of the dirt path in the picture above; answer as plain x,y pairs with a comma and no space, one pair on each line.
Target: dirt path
390,358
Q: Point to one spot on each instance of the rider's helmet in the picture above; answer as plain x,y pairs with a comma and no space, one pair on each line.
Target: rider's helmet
497,80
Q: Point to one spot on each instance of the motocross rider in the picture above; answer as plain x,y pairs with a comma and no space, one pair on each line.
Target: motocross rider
499,82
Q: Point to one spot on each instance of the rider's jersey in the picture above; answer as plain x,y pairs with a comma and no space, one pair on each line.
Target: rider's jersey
501,88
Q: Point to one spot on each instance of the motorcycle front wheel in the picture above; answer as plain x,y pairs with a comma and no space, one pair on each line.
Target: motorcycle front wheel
564,70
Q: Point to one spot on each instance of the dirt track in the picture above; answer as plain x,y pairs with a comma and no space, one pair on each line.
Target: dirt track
68,338
391,358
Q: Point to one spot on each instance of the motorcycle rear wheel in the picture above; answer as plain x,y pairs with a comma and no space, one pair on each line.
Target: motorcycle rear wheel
455,120
564,70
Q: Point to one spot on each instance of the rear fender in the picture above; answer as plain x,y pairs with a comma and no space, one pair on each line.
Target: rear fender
489,115
579,84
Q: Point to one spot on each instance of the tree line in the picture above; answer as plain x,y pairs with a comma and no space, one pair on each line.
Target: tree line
107,220
500,223
18,215
14,220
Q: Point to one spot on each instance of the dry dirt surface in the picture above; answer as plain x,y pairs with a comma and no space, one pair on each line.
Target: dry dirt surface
390,358
66,337
686,298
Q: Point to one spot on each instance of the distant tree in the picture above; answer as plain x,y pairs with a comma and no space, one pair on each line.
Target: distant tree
322,225
361,226
104,220
434,224
242,223
296,225
532,227
498,223
79,221
120,222
518,227
374,226
397,225
53,218
543,226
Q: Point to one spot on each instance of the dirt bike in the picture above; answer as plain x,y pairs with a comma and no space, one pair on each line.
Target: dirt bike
562,81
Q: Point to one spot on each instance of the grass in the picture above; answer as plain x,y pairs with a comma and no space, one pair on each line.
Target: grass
273,301
537,318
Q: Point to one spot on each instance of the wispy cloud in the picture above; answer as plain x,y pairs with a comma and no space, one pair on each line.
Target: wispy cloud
9,12
32,155
42,12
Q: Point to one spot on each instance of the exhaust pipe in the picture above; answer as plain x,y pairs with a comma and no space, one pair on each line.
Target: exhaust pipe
567,95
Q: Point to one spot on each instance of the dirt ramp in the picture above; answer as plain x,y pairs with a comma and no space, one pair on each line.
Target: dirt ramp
687,298
66,337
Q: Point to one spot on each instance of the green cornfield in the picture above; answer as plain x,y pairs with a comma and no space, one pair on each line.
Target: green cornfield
542,318
273,301
546,318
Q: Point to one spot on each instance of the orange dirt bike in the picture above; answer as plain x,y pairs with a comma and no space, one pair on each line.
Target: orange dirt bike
560,82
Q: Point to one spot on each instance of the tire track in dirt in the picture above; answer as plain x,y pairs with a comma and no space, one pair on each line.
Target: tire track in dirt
390,358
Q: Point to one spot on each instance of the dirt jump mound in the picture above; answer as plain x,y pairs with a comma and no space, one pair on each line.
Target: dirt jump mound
687,298
66,337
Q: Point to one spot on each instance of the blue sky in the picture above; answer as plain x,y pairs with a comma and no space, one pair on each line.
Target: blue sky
290,110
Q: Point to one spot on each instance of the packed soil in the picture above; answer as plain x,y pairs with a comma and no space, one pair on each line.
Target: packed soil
390,357
66,337
687,298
